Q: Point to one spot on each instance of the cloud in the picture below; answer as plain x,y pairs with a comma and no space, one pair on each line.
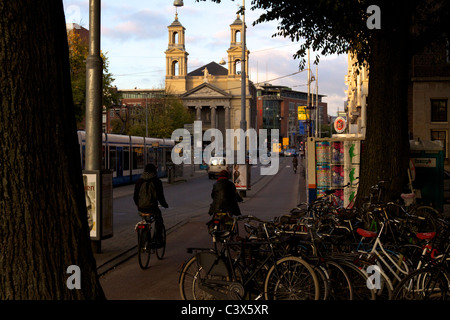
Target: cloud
135,25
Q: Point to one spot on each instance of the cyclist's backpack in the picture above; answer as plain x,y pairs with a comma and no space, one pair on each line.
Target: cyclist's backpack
147,195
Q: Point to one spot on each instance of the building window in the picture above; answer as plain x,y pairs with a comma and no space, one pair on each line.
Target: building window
237,66
175,68
175,38
440,135
237,36
439,110
271,114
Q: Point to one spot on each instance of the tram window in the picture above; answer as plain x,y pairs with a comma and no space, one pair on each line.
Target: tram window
126,158
138,157
112,158
151,158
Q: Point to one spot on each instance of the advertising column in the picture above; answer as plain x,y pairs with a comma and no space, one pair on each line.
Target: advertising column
99,198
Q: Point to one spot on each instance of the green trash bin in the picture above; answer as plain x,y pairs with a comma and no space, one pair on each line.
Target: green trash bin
428,160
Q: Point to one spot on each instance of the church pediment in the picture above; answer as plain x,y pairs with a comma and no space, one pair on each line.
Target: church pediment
206,90
175,51
237,49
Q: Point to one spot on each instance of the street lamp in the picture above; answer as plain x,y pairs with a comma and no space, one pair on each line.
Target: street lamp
243,91
177,3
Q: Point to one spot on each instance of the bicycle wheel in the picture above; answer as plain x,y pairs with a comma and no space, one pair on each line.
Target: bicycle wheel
340,284
358,278
144,250
191,277
423,284
426,219
381,282
291,278
161,247
323,282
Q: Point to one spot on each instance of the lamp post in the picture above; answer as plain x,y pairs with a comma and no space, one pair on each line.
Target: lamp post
243,76
94,69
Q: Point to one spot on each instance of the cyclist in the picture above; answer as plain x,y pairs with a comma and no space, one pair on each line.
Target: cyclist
225,196
295,163
148,191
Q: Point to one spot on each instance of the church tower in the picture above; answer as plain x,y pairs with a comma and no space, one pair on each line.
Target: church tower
176,58
235,50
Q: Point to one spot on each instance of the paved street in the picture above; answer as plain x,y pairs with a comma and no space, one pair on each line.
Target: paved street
185,219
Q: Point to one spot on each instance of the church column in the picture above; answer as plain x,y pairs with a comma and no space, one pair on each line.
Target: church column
213,117
198,113
227,117
227,124
248,117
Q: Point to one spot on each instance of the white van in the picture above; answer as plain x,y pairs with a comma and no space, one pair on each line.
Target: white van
217,164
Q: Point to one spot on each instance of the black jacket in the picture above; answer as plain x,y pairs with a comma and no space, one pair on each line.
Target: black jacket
149,176
225,198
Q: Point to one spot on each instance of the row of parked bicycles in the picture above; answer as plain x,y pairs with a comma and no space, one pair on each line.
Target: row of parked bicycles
320,251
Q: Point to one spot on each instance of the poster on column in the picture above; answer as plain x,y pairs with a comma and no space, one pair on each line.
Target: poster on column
91,196
240,177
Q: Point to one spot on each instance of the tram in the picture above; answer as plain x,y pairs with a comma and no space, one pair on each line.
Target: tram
126,156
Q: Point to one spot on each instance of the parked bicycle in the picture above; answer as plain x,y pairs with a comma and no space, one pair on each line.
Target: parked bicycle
147,240
233,272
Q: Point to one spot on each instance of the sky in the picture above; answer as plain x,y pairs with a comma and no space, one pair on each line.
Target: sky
134,36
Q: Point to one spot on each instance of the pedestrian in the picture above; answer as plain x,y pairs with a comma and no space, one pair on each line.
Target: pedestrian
295,163
148,191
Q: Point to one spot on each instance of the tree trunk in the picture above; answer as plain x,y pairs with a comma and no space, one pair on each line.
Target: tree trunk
43,219
385,152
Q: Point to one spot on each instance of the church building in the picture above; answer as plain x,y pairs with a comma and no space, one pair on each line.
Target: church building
212,91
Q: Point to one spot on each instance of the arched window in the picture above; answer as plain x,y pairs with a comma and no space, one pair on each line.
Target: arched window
175,38
237,66
237,36
175,68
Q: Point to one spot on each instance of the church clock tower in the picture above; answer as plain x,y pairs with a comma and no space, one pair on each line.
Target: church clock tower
235,50
176,58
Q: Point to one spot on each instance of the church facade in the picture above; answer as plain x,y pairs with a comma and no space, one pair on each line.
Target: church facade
212,91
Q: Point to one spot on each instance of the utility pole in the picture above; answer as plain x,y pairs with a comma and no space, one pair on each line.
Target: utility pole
94,78
308,100
243,123
94,70
317,102
243,75
318,124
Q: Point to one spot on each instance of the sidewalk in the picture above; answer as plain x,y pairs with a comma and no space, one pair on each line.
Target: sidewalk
121,247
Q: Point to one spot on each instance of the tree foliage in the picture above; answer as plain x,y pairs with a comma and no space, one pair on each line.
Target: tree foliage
78,53
164,115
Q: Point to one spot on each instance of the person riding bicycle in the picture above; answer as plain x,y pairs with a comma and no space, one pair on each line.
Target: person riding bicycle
148,191
225,197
